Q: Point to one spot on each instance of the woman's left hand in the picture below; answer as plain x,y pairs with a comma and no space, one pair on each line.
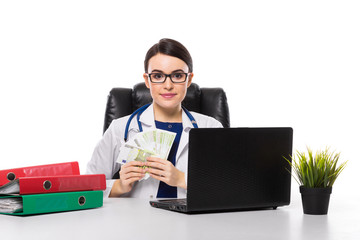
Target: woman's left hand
164,170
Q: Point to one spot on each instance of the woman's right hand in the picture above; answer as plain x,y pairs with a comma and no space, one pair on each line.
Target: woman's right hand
129,173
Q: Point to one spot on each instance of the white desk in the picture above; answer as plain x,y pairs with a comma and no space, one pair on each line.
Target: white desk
136,219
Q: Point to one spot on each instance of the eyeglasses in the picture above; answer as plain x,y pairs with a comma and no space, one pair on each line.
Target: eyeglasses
174,77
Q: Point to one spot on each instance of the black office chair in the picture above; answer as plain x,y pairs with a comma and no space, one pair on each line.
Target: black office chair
208,101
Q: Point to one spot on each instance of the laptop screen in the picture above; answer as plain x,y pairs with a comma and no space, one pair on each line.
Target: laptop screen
238,168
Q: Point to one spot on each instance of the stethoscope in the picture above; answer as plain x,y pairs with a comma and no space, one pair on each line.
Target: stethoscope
139,111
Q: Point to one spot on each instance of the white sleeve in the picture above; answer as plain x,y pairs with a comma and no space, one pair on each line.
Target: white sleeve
217,124
213,123
103,160
205,121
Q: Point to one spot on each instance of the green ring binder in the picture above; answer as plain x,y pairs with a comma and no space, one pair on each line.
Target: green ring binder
51,202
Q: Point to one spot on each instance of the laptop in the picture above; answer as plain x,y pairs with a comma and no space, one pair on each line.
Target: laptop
235,169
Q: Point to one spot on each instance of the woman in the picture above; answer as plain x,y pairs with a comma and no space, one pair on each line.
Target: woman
168,74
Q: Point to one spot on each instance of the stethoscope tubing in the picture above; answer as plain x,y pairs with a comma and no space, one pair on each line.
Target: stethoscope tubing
140,110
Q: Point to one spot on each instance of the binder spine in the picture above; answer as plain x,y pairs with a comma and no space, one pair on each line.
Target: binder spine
60,202
68,168
62,184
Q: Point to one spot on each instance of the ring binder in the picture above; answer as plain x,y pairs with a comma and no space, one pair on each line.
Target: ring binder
56,169
51,202
49,184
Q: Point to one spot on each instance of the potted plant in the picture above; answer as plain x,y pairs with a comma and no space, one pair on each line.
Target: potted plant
316,174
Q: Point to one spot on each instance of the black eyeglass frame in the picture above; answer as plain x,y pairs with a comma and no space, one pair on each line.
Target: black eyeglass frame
168,75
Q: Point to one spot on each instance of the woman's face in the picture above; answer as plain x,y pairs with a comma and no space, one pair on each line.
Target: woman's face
167,95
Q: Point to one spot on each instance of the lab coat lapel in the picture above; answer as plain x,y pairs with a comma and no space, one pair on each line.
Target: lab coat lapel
184,140
146,119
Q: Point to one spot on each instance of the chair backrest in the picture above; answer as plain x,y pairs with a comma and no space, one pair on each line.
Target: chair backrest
208,101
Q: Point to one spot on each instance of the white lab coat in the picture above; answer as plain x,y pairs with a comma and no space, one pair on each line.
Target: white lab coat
104,158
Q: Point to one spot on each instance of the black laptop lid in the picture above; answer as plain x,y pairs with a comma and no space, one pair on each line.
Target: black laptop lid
238,168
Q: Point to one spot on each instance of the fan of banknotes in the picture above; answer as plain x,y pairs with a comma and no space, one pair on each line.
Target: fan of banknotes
154,143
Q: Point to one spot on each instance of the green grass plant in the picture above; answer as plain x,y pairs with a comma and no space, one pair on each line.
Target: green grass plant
319,170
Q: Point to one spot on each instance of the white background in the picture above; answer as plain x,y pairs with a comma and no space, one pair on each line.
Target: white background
281,63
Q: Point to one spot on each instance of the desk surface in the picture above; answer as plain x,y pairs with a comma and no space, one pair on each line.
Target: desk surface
136,219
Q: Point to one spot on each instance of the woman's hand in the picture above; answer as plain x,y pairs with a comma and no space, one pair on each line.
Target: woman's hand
164,170
129,173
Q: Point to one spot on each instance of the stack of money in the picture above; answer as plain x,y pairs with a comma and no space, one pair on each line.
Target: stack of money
154,143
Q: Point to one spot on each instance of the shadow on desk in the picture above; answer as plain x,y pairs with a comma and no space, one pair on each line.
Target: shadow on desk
182,209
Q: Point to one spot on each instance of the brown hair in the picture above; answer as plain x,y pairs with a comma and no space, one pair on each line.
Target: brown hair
169,47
